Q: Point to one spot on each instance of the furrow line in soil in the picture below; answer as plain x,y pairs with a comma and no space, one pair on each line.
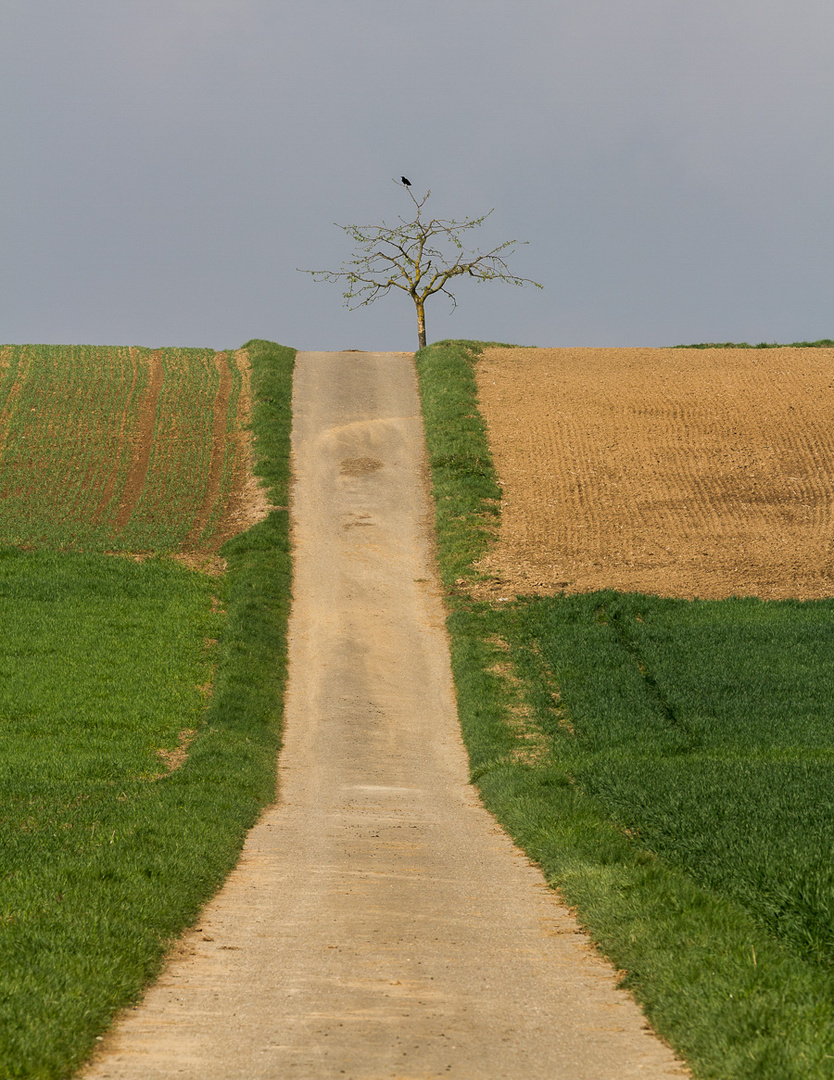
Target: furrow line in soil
143,442
246,502
14,381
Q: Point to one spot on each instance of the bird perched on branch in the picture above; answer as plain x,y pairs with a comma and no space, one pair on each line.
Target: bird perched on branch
405,181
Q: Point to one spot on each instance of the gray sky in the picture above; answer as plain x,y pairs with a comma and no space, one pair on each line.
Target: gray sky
165,166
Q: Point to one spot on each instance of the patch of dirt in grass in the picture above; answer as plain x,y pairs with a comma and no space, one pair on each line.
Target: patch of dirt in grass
175,758
248,502
214,565
219,435
678,472
532,746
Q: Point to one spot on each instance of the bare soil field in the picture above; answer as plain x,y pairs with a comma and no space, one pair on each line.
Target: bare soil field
678,472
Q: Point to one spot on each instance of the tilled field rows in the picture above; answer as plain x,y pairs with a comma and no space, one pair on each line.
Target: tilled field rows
680,472
121,448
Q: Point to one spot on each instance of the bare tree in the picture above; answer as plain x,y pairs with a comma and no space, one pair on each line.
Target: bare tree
419,256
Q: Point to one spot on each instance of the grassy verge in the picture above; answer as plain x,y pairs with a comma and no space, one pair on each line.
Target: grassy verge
140,708
666,763
823,343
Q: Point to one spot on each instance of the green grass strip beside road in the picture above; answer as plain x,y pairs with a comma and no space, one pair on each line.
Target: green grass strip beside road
631,796
107,857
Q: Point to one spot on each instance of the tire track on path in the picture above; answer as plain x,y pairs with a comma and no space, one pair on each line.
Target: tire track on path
379,923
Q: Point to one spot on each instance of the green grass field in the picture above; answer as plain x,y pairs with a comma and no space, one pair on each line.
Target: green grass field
672,774
140,708
823,343
707,730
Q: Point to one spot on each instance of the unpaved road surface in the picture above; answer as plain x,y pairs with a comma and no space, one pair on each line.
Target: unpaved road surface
379,924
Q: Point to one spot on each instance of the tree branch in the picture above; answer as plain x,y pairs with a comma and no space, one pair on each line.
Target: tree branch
416,262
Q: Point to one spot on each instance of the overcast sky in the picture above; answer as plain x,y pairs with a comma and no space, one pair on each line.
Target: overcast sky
165,165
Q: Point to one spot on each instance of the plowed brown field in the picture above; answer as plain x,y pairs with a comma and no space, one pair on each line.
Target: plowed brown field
679,472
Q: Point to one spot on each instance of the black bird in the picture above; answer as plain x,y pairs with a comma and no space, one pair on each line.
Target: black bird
406,181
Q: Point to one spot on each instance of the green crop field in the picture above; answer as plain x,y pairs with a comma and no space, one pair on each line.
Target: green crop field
118,449
684,801
140,701
707,730
667,762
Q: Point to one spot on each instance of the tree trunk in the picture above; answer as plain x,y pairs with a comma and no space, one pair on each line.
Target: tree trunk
421,324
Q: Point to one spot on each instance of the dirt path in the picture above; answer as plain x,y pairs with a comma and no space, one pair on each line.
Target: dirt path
379,923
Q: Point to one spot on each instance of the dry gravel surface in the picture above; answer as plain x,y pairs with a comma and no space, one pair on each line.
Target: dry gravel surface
379,923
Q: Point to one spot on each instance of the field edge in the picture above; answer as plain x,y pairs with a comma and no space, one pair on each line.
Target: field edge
238,752
693,960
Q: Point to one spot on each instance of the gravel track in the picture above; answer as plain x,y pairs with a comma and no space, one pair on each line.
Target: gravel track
379,923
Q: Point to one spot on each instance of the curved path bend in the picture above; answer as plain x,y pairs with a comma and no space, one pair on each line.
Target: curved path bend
379,923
